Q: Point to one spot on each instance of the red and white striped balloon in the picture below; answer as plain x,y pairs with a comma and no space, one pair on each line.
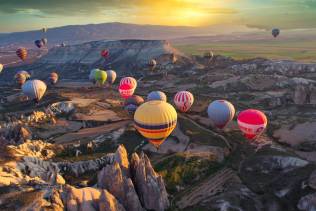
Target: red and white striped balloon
252,123
129,81
126,90
183,100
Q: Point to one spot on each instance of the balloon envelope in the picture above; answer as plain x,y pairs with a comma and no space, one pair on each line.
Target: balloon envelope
53,78
34,89
39,43
183,100
105,53
126,90
221,112
111,76
134,100
44,40
100,76
275,32
252,123
21,53
157,95
1,67
130,81
92,75
155,120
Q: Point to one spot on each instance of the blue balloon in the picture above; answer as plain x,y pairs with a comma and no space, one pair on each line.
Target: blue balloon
221,112
157,95
131,108
39,43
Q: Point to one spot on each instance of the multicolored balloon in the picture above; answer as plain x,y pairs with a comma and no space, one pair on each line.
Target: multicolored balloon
111,76
157,95
183,100
221,112
129,80
20,79
252,123
34,89
53,77
92,75
21,53
105,53
126,90
39,43
155,120
132,103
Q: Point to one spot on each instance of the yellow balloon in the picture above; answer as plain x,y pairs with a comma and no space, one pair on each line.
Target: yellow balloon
155,120
100,77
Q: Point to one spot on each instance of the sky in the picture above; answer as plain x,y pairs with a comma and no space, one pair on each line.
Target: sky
23,15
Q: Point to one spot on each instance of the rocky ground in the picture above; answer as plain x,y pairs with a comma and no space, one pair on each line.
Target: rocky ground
78,150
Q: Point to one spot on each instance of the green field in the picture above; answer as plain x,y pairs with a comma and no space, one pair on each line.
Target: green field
299,50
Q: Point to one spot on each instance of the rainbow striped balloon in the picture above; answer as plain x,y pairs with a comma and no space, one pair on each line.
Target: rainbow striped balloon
155,120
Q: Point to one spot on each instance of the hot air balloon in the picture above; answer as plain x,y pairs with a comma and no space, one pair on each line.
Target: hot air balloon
53,78
44,40
157,95
63,44
275,32
20,79
111,76
27,75
21,53
183,100
173,58
152,64
209,55
252,123
100,77
132,103
126,90
92,75
221,112
1,67
39,43
105,53
34,89
44,29
155,120
129,80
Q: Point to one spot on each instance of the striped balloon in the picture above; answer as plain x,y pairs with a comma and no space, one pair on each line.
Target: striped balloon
53,78
126,90
157,95
34,89
155,120
221,112
252,123
183,100
111,76
21,53
130,81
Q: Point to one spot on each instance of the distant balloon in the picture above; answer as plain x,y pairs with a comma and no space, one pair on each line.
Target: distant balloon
275,32
111,76
174,59
132,103
44,40
34,89
152,64
157,95
100,77
135,100
221,112
252,123
126,90
183,100
44,29
21,53
39,43
155,120
1,67
129,80
92,75
209,55
63,44
105,53
21,77
53,78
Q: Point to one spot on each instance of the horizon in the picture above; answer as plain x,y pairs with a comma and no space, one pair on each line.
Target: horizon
17,16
